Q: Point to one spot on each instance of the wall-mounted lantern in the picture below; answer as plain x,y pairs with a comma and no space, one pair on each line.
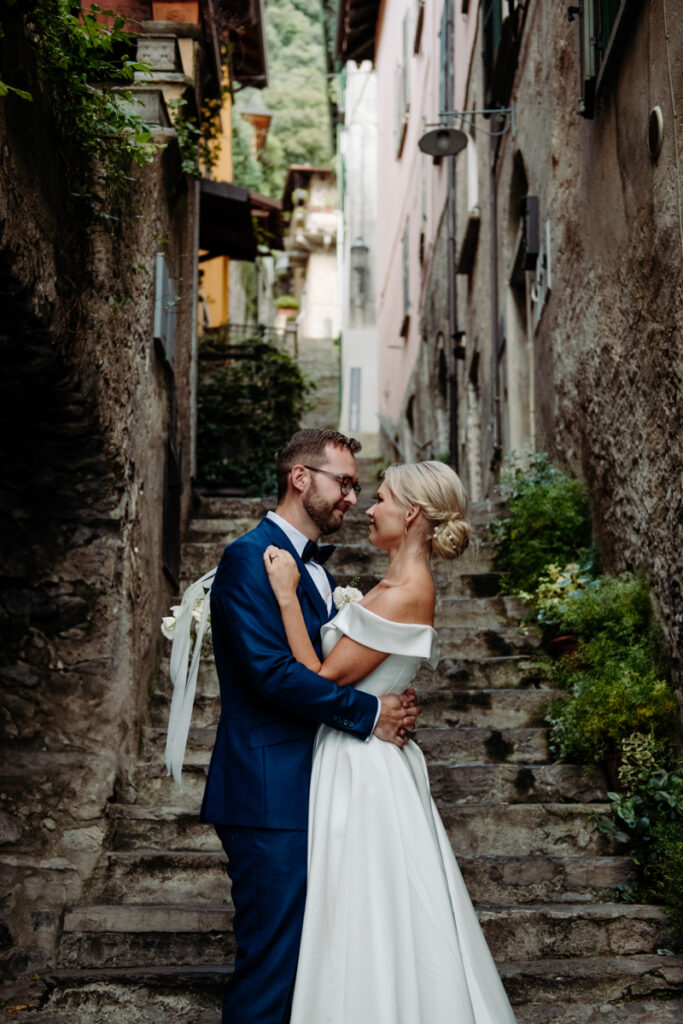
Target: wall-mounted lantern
443,142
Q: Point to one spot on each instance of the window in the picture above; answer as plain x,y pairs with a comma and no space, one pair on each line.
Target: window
470,239
447,70
602,25
419,24
165,310
501,29
405,250
402,89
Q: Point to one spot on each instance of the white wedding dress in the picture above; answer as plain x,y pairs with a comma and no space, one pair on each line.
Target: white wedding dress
390,935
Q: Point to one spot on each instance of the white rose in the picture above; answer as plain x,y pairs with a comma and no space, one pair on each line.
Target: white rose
168,625
197,609
345,595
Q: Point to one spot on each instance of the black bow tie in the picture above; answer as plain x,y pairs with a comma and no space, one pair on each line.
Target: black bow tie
316,552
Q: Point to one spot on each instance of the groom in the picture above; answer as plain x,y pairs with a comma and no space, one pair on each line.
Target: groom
257,788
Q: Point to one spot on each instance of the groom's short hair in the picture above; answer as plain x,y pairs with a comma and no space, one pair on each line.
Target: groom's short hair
308,446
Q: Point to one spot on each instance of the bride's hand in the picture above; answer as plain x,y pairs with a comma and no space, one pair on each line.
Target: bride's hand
282,573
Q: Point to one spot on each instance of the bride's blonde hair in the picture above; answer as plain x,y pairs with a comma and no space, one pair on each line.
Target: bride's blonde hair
439,492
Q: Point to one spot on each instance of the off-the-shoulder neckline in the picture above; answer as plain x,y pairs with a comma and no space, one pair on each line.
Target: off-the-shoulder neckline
391,622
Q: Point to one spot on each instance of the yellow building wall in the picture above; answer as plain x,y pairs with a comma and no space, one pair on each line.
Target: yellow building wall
214,287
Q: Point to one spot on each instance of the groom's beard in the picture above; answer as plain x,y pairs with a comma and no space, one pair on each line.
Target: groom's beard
327,517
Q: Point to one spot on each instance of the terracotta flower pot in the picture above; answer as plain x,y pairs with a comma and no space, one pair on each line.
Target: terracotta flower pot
562,645
176,10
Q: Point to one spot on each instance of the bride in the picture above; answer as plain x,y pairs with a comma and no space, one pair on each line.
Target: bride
390,935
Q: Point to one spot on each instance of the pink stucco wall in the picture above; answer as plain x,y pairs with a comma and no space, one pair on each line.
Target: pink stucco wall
410,187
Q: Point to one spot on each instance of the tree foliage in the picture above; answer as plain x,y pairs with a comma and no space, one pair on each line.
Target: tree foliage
297,96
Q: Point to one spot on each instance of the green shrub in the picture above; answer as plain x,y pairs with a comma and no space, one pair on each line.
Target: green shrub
613,609
649,816
547,523
618,706
608,700
663,872
556,588
246,409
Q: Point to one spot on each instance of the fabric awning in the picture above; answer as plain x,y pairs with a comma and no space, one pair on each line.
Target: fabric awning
234,221
225,224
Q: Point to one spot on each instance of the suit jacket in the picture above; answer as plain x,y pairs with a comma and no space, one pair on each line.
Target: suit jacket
270,704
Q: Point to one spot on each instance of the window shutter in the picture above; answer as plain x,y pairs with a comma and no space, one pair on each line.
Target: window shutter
588,61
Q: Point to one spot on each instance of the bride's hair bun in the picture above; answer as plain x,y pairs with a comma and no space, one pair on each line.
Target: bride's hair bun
439,492
451,537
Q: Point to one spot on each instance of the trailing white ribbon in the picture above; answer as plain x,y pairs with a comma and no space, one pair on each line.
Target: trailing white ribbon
184,681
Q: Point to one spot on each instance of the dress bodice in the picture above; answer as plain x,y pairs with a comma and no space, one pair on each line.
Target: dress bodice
407,644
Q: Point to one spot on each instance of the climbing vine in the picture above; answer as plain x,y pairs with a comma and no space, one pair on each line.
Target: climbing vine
82,66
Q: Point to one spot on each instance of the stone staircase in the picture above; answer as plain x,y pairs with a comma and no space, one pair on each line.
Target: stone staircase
152,943
318,359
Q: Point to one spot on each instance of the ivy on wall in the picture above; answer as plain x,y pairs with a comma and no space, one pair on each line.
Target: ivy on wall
82,66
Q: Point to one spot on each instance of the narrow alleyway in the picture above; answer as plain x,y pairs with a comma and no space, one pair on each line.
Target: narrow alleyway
152,944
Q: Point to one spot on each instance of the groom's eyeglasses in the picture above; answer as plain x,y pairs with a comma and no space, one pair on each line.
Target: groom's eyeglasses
346,483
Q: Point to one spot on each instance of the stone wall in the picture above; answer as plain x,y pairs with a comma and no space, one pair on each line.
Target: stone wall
87,404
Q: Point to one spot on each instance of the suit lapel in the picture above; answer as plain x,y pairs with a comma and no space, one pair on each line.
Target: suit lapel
281,540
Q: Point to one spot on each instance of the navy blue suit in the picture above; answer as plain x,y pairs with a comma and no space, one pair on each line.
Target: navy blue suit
257,788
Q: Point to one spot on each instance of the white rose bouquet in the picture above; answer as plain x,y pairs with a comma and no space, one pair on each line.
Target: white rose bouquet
169,623
188,617
345,595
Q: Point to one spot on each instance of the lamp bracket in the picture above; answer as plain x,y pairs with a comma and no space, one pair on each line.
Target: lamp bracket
508,113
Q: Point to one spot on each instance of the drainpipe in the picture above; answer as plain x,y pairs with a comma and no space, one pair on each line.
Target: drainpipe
496,422
452,316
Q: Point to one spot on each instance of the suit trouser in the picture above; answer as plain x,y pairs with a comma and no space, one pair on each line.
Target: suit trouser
267,869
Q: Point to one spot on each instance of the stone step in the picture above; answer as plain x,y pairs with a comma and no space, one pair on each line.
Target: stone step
558,930
497,709
539,830
515,671
348,559
512,880
498,641
195,876
465,584
133,995
127,935
553,829
218,506
639,1011
454,609
557,993
439,744
484,745
458,783
553,985
516,784
450,676
226,509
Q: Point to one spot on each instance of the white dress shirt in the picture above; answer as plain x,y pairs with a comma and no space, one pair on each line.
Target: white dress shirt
316,571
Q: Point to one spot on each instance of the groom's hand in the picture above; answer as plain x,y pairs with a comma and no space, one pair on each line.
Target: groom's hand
397,717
